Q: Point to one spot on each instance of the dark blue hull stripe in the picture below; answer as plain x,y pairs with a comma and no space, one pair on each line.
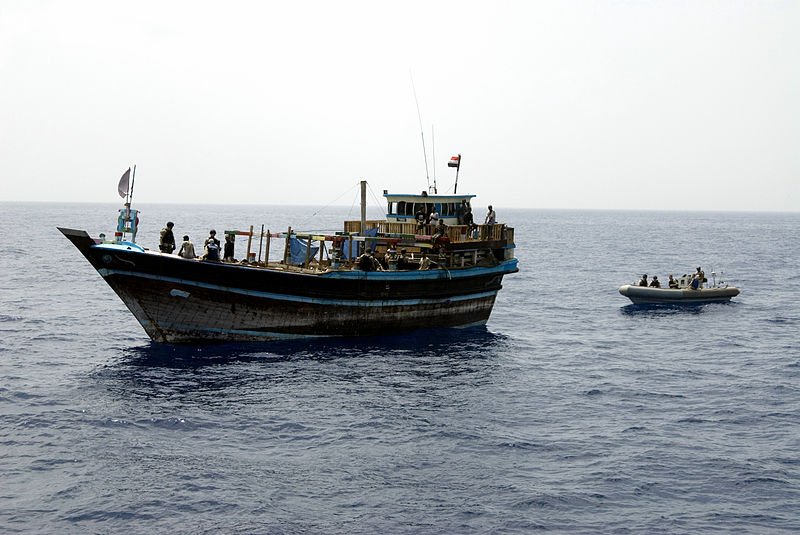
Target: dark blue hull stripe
296,298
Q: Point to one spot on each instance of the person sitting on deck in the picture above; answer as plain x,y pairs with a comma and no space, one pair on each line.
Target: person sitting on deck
402,261
696,281
654,283
424,262
441,230
672,282
643,280
389,257
367,262
187,249
211,246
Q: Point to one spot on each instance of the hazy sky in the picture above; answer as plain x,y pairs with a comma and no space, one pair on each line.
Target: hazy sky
641,104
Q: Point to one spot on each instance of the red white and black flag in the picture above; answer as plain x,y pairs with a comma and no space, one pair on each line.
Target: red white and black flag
455,161
124,182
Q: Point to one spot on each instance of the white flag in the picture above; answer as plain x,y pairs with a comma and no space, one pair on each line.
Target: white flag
122,188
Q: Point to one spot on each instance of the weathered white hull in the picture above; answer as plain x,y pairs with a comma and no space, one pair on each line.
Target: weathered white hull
641,295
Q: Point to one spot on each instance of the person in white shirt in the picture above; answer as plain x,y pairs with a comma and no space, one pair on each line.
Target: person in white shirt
491,217
187,248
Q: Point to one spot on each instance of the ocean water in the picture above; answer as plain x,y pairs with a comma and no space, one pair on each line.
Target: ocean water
572,411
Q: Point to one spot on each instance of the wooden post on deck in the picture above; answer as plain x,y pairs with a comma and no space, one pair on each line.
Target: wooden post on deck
249,241
266,253
260,243
350,256
308,250
286,247
321,247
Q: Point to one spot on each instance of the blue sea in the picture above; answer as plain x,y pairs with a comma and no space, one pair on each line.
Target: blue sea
571,411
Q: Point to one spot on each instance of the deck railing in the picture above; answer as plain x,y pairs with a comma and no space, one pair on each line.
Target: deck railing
456,233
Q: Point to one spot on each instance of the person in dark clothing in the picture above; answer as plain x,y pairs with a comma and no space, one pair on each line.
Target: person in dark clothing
402,261
654,283
228,254
367,262
420,218
460,211
672,282
643,280
166,243
469,221
701,275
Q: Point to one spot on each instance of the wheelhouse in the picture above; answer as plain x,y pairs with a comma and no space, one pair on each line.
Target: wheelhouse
401,208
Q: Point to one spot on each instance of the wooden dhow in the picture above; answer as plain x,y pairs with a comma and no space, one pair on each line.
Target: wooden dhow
322,292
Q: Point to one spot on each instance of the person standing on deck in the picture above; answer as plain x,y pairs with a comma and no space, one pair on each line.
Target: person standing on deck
461,211
701,275
420,218
166,243
434,216
491,217
229,244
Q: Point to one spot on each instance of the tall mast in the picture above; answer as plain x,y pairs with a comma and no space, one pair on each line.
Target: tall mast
363,207
421,133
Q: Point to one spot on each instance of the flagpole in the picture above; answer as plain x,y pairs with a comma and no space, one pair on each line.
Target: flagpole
133,181
458,168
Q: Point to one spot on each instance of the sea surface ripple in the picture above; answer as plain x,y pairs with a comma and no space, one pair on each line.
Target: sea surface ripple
572,411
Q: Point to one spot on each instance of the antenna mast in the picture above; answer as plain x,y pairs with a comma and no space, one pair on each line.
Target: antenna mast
421,132
433,160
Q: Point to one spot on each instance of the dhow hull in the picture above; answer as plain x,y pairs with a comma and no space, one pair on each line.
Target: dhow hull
187,301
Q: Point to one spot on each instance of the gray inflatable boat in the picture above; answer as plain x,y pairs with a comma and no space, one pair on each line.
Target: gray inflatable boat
642,295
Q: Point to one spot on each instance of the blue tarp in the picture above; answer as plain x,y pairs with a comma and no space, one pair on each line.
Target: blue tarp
356,245
298,250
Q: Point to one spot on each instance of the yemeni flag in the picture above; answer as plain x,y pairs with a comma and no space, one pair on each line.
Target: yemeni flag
455,161
122,188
